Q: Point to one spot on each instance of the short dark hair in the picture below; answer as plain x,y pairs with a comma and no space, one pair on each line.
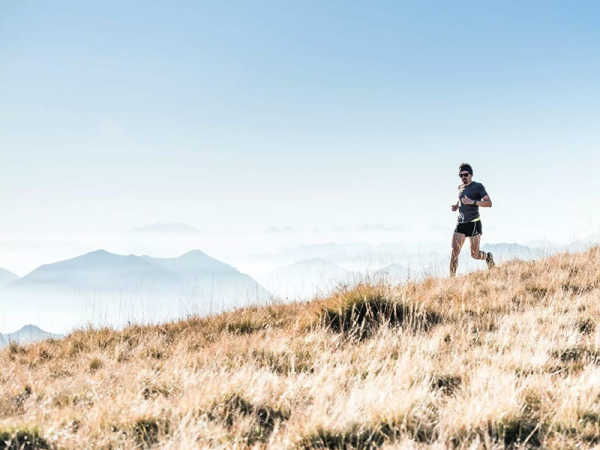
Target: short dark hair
466,167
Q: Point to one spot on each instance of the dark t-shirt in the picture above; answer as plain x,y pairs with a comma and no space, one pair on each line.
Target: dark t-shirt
475,191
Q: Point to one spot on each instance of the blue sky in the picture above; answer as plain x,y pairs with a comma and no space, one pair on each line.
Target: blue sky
248,115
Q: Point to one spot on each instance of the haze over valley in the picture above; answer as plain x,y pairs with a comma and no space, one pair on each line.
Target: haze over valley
108,288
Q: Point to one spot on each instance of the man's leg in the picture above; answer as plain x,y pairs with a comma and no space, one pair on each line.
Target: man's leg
458,239
475,252
478,254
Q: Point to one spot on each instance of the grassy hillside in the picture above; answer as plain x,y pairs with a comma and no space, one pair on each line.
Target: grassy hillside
503,359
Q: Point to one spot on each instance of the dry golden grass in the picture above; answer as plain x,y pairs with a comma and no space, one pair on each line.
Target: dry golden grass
501,359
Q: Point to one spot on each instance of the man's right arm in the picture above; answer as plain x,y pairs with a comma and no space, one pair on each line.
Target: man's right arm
455,206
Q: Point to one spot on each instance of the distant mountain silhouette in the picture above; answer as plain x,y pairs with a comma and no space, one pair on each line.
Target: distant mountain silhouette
505,251
26,335
394,273
98,270
171,228
6,277
104,271
105,288
193,263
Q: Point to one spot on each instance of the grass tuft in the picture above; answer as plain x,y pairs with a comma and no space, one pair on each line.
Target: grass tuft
577,354
446,384
22,440
263,418
146,432
244,327
15,348
509,432
370,436
586,326
360,311
284,363
95,364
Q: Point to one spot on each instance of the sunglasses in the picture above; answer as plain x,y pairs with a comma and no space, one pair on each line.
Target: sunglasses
464,174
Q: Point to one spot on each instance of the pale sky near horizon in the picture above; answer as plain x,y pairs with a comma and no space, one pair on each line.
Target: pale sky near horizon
249,115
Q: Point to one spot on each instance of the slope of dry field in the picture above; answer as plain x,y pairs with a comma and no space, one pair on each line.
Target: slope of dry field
501,359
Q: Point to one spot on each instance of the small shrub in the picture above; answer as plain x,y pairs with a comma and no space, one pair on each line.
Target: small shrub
76,348
44,355
156,353
154,391
23,396
264,417
566,369
512,433
122,357
132,340
245,326
370,436
284,363
446,384
14,405
74,426
586,326
577,354
15,348
354,437
360,311
575,289
519,431
61,400
95,364
590,417
22,440
146,432
105,339
537,292
59,372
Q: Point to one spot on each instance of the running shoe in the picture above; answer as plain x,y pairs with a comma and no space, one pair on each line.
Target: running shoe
489,259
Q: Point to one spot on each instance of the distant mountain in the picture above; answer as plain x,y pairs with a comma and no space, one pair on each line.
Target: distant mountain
394,273
361,257
6,277
329,252
98,270
104,271
437,264
170,228
503,252
192,264
102,286
506,251
307,279
26,335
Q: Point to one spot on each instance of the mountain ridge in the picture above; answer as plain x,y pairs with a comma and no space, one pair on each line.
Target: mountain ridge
6,276
101,287
27,334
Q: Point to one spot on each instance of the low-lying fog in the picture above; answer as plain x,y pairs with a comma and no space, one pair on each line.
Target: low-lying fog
151,274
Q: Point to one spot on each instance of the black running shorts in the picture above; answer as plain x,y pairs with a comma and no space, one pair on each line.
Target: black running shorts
469,228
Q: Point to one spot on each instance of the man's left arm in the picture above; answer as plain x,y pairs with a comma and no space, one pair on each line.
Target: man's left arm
485,202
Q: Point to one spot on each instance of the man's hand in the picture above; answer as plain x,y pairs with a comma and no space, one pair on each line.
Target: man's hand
467,201
454,207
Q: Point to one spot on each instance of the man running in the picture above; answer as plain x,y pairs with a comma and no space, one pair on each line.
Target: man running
471,195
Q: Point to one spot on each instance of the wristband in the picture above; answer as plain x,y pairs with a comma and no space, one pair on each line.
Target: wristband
475,202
